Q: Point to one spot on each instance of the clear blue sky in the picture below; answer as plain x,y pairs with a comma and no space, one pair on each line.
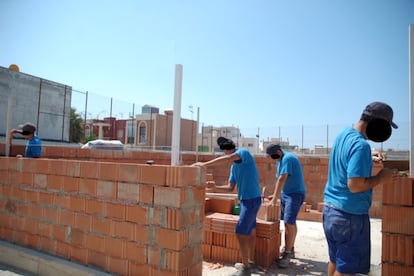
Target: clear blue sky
252,64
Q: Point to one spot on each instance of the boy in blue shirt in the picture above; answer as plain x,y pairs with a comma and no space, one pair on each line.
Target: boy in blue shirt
290,188
244,174
348,191
33,145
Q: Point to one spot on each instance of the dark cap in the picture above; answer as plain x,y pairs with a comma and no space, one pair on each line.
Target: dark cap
379,110
28,128
273,148
225,143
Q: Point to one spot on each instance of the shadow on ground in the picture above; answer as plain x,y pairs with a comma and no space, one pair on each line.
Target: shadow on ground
297,267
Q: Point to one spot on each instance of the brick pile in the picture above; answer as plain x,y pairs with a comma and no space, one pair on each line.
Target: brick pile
398,227
220,242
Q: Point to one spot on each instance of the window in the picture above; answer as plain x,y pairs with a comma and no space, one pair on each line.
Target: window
142,134
130,132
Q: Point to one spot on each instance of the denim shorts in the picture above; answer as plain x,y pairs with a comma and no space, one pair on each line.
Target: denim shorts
290,205
349,240
248,213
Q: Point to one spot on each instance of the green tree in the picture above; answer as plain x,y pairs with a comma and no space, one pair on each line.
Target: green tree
76,133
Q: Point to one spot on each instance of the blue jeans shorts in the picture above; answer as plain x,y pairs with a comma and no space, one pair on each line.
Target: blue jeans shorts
290,206
248,213
349,240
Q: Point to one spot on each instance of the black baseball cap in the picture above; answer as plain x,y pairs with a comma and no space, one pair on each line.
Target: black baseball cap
273,148
380,110
28,128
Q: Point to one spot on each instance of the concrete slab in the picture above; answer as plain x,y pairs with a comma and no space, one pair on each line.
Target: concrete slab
25,261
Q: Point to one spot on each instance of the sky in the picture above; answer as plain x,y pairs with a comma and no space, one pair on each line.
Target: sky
264,66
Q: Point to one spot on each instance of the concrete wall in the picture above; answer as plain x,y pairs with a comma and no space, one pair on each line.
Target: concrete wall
42,102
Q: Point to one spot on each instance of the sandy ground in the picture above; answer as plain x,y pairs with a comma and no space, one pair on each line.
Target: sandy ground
311,254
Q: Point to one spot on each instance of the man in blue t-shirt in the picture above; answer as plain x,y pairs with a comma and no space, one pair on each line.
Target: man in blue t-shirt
33,145
348,191
244,175
290,188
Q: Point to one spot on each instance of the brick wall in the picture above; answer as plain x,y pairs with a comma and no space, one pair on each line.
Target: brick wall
315,169
124,218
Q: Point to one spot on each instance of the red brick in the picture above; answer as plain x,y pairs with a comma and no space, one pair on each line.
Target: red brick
136,253
128,191
70,184
115,210
83,221
62,249
179,260
107,189
170,197
118,266
108,171
140,269
101,226
77,237
171,239
97,259
123,230
95,207
77,204
114,247
153,175
88,186
183,176
79,255
96,243
137,213
142,234
89,170
40,180
129,173
146,193
67,218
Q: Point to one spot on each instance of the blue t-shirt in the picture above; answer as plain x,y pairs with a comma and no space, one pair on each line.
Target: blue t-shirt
33,147
244,173
295,182
350,157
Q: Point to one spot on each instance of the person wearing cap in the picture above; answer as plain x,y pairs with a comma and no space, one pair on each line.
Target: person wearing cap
33,145
244,175
290,189
348,191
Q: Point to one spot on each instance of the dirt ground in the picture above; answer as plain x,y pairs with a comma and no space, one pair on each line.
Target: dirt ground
311,252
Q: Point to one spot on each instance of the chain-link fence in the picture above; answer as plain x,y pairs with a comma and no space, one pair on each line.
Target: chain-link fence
304,138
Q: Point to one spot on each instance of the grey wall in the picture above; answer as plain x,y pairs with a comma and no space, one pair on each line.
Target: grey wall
42,102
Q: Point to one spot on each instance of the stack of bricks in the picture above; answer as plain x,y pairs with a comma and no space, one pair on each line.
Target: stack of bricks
220,241
307,213
398,227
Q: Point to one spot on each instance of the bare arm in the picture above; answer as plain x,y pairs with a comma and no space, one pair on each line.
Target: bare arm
224,159
280,183
361,184
228,187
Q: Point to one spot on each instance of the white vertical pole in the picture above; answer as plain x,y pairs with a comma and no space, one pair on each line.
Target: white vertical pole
175,149
411,94
198,125
9,118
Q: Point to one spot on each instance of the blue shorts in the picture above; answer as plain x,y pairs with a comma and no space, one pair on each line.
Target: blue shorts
290,205
248,213
349,240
